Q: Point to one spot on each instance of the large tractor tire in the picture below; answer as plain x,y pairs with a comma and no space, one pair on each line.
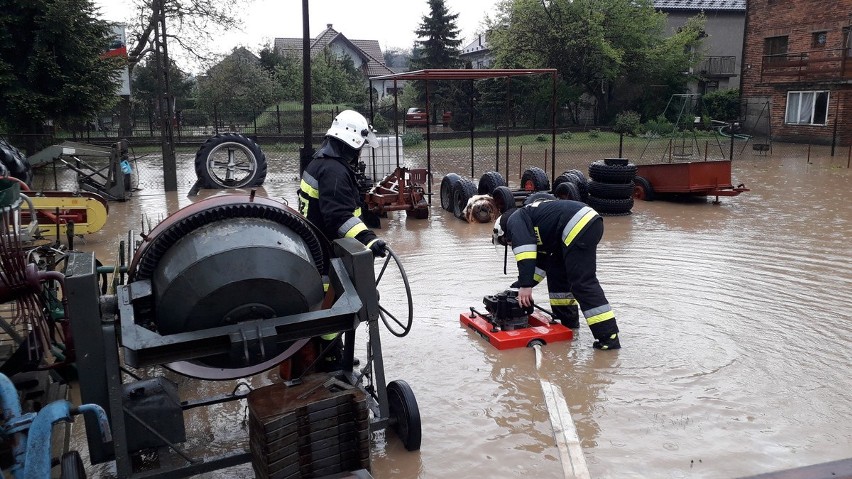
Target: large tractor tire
535,179
503,198
462,192
615,191
14,163
642,189
601,171
230,160
489,181
611,207
448,183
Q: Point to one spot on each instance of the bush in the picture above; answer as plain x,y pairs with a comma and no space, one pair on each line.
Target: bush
411,138
661,126
540,138
565,135
380,124
627,122
722,105
594,133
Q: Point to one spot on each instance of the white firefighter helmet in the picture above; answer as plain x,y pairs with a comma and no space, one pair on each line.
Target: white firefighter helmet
498,235
353,129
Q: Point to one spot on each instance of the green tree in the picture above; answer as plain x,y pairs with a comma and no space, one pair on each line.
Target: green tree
593,44
438,47
237,89
50,65
333,79
146,89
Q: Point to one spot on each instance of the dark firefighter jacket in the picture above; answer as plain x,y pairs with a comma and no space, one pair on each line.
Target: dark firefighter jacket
329,196
545,227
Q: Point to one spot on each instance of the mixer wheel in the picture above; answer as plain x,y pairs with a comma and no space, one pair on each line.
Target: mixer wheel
404,414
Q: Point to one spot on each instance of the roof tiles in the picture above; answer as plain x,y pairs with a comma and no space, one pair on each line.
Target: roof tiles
706,5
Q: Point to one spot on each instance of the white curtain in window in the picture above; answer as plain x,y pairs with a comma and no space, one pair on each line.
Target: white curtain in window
806,107
792,108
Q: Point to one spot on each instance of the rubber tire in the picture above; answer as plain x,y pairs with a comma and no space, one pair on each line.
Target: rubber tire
462,192
403,407
535,179
14,163
72,466
539,195
615,191
248,147
504,198
616,161
610,206
600,171
568,191
488,181
563,178
581,182
642,189
448,183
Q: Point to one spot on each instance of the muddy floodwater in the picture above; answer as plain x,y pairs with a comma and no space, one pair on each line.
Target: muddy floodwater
735,325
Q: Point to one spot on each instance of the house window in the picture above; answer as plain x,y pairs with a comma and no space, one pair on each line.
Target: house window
807,108
776,49
819,39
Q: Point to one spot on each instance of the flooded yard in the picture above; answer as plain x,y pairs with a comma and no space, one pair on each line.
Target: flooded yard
735,325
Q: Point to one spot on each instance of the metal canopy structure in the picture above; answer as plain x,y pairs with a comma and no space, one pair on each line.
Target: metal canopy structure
465,74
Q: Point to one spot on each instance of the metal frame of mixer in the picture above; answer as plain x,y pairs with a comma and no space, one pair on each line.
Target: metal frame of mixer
96,327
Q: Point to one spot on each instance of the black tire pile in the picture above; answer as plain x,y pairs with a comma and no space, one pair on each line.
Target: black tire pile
610,188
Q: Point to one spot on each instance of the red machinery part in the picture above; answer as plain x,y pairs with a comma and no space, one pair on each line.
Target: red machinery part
540,329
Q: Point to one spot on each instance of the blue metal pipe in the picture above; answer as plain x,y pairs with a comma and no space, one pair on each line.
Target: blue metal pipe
38,454
14,423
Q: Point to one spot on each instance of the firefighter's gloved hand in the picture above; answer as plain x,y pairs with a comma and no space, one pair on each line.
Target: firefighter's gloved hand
378,247
607,343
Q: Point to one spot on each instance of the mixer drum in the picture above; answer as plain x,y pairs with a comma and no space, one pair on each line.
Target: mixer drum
232,271
228,260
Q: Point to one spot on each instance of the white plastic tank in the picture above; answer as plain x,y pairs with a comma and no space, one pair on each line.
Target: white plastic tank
382,161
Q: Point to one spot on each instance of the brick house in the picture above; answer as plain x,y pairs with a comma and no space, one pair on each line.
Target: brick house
723,44
798,62
365,54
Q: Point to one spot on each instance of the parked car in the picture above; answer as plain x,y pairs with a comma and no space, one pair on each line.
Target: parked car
416,117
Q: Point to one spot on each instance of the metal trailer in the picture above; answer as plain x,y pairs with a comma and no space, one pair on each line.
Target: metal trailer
694,178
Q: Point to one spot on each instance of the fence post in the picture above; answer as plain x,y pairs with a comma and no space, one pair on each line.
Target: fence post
731,154
254,115
497,151
621,144
215,119
278,117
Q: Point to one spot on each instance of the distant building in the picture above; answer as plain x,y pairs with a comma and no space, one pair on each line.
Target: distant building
365,54
798,62
477,53
723,44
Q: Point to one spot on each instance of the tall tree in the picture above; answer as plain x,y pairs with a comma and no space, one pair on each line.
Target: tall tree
51,67
146,89
438,47
593,44
237,89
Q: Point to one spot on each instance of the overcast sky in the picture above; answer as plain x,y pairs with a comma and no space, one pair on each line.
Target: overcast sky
391,22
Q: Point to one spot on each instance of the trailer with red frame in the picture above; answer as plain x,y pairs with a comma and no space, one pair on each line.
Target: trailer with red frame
693,178
402,190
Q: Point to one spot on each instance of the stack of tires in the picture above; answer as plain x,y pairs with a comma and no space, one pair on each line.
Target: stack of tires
455,192
610,189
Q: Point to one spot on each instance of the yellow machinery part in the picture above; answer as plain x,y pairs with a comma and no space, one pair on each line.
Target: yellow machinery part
88,214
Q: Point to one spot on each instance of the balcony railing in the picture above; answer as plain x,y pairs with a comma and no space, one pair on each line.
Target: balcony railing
827,64
718,67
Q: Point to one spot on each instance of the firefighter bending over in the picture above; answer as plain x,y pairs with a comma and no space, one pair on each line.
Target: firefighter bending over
559,239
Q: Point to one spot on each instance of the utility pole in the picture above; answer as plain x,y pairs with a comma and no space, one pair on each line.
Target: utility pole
167,138
306,152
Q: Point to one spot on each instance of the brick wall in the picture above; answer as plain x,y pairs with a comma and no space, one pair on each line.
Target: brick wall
799,21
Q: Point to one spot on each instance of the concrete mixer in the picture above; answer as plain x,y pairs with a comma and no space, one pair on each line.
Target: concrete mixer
225,288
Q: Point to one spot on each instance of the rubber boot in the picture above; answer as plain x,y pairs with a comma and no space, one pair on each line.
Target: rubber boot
606,335
570,316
